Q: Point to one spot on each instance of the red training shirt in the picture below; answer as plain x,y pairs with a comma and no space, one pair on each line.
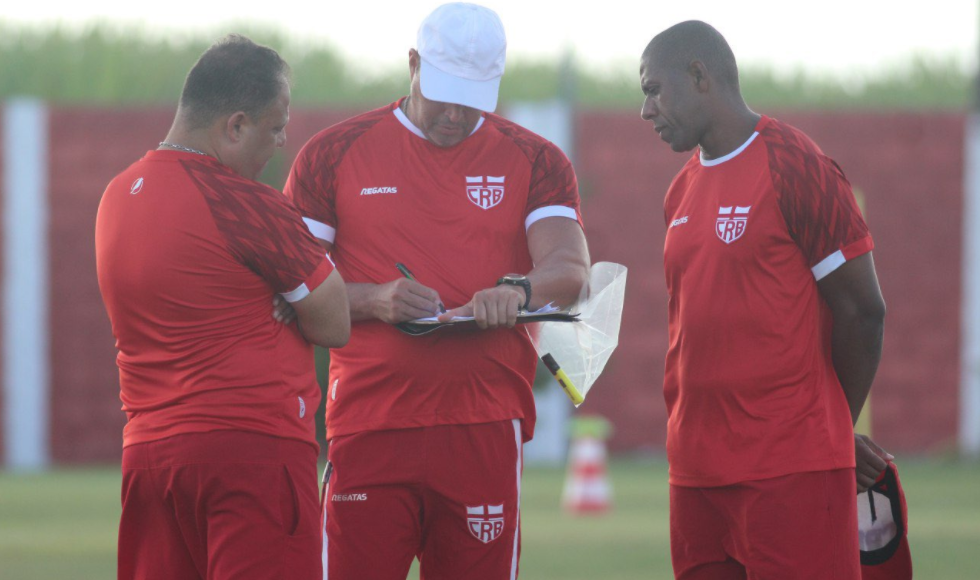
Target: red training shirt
381,193
189,256
750,384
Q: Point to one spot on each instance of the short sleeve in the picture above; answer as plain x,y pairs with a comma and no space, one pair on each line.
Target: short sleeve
312,182
819,207
264,232
553,187
310,186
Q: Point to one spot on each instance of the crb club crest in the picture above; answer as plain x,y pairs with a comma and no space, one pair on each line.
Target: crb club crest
485,192
731,222
486,523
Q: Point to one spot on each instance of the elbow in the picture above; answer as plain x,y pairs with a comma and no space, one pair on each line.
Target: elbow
866,317
870,318
338,336
875,313
337,339
582,277
335,334
868,310
577,282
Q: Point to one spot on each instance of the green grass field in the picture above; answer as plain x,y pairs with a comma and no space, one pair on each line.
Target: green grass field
63,524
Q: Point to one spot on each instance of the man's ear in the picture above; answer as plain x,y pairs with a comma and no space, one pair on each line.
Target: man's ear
699,75
233,126
414,61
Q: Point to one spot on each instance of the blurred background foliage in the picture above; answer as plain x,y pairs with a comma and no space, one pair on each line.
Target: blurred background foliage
101,65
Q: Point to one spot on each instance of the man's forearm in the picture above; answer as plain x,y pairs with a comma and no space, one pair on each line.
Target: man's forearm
560,279
857,342
858,310
561,262
362,299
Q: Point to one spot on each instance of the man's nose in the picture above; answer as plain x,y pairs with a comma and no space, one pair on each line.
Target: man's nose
455,113
649,110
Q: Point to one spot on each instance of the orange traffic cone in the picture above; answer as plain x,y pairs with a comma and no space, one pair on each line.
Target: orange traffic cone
587,489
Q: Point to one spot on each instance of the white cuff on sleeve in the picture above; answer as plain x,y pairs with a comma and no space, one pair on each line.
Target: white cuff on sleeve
298,294
549,211
320,230
828,265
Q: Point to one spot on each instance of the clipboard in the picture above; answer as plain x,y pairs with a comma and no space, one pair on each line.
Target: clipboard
546,313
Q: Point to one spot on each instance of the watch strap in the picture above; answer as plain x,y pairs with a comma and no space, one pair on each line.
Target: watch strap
522,282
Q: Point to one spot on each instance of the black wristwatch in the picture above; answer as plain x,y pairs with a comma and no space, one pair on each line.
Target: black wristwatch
518,280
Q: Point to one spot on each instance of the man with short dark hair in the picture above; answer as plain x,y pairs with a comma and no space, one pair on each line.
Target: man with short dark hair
426,432
775,324
219,452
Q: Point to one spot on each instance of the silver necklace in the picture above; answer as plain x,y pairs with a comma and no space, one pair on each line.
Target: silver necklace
182,148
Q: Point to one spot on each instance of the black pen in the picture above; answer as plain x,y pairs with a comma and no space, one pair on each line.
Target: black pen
408,274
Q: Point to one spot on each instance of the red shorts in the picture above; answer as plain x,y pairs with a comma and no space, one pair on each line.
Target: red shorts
449,495
216,505
795,527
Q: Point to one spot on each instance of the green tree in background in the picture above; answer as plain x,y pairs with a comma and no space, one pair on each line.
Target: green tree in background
103,66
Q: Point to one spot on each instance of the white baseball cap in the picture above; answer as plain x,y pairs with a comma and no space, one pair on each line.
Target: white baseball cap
463,48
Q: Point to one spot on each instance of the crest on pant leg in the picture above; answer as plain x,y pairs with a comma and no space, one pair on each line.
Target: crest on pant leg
486,523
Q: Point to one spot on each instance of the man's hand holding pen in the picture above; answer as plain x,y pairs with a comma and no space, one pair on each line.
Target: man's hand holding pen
402,299
491,308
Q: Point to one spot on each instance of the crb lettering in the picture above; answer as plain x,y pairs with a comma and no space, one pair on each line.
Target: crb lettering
486,197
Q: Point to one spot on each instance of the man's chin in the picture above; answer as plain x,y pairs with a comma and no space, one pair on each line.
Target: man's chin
676,145
679,147
445,141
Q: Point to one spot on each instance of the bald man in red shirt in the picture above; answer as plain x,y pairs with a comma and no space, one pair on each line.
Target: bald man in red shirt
775,325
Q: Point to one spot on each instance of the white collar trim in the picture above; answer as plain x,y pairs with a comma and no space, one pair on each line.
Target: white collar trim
733,154
403,119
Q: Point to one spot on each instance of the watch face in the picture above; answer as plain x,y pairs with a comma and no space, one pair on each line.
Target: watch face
518,280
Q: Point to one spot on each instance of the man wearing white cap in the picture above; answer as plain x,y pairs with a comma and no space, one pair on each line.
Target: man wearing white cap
481,215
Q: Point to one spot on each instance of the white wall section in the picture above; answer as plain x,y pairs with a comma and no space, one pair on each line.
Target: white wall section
970,348
25,285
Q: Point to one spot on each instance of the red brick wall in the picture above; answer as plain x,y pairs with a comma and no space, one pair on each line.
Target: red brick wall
909,167
88,147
